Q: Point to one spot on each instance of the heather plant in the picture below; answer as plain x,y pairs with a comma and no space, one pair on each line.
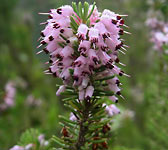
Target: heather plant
83,45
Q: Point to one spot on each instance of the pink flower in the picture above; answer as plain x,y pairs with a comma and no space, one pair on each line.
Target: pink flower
81,94
93,35
84,47
112,110
9,98
67,51
60,90
92,55
114,99
82,31
72,117
89,92
16,147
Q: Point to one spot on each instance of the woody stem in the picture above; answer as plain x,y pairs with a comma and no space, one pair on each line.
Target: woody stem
83,129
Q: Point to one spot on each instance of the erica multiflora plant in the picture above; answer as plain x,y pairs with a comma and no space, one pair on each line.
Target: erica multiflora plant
83,45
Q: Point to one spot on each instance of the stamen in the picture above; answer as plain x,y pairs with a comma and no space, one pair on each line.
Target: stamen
43,23
122,97
39,52
39,46
122,64
126,26
121,51
127,32
44,13
126,75
46,71
124,48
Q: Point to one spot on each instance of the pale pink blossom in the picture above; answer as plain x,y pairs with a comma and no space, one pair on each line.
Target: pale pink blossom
72,117
60,90
89,92
112,110
82,31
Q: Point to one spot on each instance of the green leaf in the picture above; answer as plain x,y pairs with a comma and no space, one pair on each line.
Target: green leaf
70,98
67,120
73,23
88,22
98,141
80,10
63,37
106,78
94,4
86,9
59,141
74,6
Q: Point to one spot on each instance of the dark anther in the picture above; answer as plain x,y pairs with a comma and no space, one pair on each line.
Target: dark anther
50,61
117,82
95,60
117,60
121,73
119,46
68,41
59,57
42,34
62,30
121,32
82,49
45,50
59,11
114,21
76,78
55,74
109,65
56,25
60,64
105,36
50,17
118,93
118,17
43,42
122,22
51,38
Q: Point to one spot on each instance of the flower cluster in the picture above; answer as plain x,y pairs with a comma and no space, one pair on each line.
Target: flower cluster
9,98
159,33
84,49
41,140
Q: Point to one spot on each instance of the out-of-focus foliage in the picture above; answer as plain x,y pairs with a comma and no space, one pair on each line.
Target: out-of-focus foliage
145,92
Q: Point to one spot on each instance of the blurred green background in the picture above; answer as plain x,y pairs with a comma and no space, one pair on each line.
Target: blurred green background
142,124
